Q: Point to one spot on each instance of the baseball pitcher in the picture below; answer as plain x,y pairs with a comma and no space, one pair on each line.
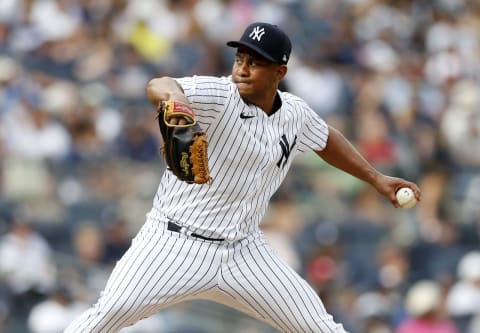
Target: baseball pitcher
228,144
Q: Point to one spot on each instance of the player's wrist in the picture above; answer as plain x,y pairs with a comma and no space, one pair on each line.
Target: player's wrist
179,97
374,178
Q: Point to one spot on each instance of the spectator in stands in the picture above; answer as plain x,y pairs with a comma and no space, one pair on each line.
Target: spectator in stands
424,303
26,266
55,313
463,299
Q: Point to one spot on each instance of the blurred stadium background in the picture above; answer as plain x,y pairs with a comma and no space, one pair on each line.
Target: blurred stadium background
79,161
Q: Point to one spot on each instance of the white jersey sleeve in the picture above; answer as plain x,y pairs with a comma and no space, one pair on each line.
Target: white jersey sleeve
313,134
207,96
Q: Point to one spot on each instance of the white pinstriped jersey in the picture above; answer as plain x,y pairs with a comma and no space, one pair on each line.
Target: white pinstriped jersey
249,153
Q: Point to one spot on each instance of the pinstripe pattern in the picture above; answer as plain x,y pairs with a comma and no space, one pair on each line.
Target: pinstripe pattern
249,158
162,268
243,156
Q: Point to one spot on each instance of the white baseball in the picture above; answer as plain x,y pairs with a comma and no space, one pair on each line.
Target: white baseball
406,198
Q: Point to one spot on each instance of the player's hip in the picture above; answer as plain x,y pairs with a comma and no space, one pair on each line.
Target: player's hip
220,230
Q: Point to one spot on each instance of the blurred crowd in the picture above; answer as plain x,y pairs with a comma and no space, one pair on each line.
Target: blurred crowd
79,160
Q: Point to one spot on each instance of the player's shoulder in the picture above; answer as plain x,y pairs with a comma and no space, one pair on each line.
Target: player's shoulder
204,86
211,82
294,102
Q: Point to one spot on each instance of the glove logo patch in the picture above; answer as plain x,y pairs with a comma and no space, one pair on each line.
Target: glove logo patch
184,163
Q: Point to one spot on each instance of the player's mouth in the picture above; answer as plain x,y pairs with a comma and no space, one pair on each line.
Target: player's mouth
239,81
242,84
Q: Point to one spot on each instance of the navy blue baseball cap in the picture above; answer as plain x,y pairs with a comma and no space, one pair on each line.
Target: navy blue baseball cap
267,40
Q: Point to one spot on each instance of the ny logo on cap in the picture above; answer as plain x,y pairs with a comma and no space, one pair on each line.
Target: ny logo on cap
257,33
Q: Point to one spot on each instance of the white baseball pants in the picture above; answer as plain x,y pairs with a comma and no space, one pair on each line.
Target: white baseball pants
162,268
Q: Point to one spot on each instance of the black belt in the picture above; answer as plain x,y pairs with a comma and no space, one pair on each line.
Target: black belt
176,228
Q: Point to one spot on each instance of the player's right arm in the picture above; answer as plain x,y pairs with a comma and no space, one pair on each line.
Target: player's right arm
207,95
165,89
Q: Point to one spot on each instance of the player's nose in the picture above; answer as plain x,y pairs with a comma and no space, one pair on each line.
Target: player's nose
241,68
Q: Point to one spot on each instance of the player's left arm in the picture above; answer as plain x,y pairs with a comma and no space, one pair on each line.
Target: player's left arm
340,153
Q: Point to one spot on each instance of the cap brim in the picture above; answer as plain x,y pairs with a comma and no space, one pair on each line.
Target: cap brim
252,47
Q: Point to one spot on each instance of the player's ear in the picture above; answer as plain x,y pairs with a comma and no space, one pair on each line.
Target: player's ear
281,71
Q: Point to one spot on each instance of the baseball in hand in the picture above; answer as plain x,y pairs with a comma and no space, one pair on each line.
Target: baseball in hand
406,197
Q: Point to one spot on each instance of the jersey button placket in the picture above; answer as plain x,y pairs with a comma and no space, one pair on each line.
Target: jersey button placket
269,149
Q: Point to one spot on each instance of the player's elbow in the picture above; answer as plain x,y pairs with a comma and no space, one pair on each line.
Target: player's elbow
159,89
159,81
159,84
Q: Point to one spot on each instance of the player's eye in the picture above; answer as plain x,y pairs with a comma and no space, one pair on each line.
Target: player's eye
239,58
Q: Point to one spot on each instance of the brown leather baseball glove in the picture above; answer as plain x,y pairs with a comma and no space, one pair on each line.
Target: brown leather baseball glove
184,146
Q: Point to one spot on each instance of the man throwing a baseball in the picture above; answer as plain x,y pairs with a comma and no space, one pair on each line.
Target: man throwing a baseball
202,241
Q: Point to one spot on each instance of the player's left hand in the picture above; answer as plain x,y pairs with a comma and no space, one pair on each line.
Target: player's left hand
388,186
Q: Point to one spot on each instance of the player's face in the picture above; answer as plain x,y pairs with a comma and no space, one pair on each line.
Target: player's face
256,77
